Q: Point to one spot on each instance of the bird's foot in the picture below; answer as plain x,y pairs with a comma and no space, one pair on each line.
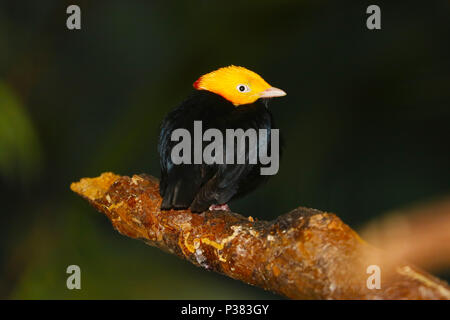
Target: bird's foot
223,207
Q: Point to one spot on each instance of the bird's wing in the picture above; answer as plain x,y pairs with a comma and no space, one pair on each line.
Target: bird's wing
221,187
180,183
227,178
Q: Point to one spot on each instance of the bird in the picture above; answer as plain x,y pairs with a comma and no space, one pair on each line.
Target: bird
231,97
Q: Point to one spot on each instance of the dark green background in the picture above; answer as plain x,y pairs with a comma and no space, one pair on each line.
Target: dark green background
366,123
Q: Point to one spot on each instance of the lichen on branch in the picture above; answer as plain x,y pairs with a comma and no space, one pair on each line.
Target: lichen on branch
304,254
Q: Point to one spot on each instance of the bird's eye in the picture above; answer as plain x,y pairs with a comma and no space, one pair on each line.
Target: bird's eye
243,88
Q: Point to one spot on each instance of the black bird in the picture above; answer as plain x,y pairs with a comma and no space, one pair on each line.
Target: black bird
228,98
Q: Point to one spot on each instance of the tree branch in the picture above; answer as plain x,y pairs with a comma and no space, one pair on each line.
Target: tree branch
304,254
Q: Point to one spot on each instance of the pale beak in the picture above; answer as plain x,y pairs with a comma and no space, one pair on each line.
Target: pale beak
272,92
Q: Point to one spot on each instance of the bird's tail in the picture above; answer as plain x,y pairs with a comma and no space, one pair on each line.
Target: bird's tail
178,194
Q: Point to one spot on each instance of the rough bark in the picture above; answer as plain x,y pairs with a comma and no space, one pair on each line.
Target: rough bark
304,254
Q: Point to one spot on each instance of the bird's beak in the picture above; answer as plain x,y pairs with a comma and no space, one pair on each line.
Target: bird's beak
272,92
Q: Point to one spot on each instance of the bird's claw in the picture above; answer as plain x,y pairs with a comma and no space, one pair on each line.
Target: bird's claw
222,207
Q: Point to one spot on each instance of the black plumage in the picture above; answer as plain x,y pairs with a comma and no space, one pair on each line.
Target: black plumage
198,186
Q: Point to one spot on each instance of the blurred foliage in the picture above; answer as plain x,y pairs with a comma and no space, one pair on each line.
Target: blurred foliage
365,123
19,146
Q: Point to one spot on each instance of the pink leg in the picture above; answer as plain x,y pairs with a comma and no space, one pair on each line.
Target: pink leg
223,207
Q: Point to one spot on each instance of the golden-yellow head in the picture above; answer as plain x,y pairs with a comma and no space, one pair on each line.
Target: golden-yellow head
238,85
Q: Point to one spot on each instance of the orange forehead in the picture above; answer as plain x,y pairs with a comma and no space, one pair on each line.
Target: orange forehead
227,81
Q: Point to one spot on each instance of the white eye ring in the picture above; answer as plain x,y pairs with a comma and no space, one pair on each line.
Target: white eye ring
243,88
